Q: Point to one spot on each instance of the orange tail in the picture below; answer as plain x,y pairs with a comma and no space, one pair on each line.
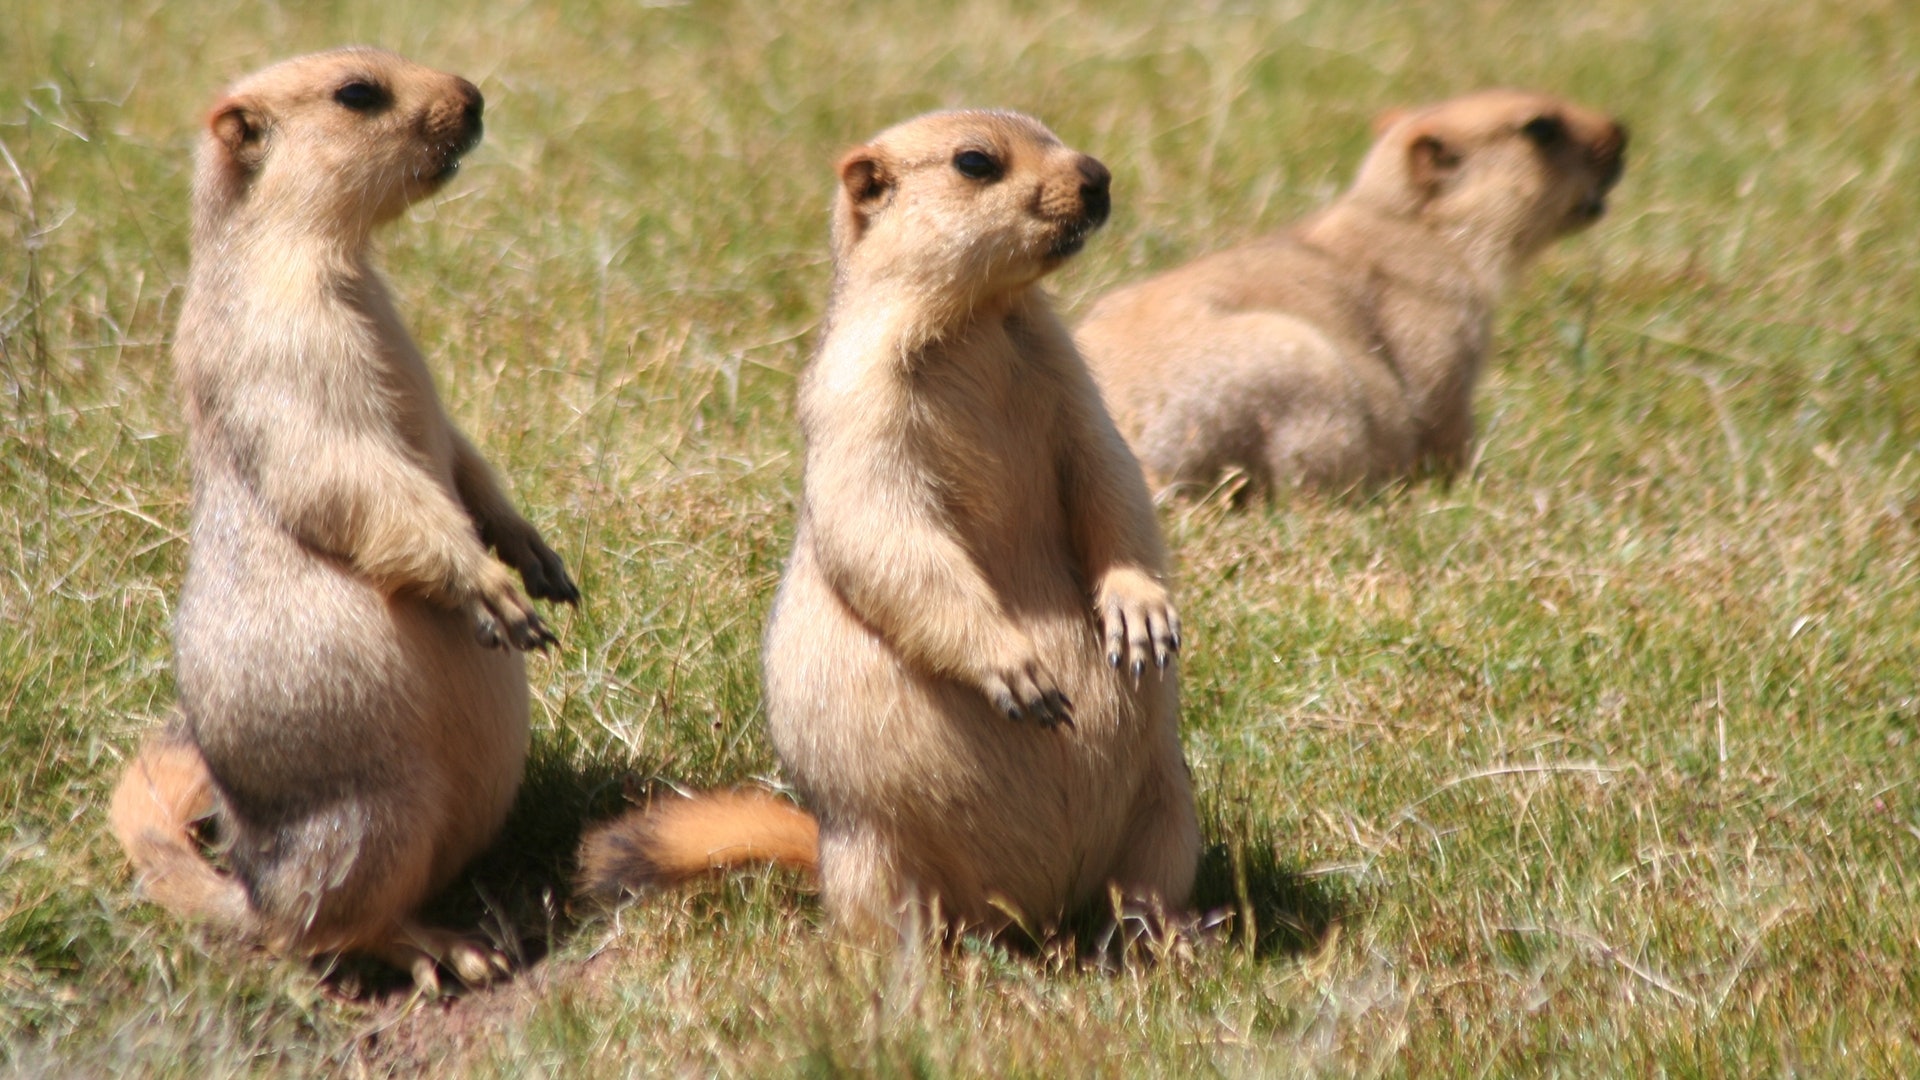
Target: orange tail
161,795
678,839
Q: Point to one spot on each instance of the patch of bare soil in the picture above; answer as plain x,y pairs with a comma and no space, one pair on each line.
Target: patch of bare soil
406,1034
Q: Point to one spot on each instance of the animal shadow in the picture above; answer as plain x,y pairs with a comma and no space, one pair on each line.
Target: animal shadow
1244,892
516,894
1247,888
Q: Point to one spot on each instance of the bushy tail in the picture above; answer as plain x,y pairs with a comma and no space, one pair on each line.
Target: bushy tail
677,839
161,795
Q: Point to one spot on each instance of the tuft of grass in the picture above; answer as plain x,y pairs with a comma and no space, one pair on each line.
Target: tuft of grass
1598,760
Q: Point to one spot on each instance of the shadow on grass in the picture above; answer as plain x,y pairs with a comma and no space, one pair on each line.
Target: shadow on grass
1243,889
1244,883
516,894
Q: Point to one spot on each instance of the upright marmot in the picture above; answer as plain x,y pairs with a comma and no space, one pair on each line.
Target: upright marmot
1343,352
967,668
353,710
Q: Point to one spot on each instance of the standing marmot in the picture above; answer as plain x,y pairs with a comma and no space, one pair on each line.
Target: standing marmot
353,712
966,668
1343,351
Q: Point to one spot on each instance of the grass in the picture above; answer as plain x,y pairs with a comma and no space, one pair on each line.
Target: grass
1600,760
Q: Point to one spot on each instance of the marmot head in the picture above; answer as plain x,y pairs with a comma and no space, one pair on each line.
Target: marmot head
1506,167
336,142
974,203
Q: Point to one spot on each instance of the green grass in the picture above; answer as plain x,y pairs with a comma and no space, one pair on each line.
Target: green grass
1601,760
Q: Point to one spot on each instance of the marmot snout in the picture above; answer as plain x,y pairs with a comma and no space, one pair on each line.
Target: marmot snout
1094,203
454,123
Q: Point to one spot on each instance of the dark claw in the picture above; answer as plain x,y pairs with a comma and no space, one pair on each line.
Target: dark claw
1113,660
556,586
1059,706
1139,666
1055,709
561,587
544,573
538,636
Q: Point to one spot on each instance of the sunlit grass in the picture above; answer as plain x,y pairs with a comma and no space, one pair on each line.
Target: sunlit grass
1599,760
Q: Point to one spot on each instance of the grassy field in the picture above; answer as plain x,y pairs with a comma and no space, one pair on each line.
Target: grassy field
1601,760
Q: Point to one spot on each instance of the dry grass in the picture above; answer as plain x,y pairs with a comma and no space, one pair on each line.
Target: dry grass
1598,761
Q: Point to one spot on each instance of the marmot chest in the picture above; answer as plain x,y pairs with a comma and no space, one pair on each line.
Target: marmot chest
990,445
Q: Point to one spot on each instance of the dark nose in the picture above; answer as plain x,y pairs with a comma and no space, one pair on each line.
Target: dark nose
472,105
1610,154
1094,182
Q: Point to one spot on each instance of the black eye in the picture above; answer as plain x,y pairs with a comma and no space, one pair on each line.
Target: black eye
975,165
360,96
1545,131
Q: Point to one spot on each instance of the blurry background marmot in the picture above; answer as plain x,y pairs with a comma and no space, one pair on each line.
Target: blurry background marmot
1344,351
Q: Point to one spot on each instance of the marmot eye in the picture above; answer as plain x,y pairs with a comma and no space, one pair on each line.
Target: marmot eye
360,96
1545,131
975,165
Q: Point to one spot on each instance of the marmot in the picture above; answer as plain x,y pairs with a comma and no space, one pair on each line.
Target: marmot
967,665
353,710
1343,352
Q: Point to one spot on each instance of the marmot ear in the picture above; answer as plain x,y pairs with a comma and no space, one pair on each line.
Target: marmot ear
1386,120
867,187
238,128
1431,163
864,178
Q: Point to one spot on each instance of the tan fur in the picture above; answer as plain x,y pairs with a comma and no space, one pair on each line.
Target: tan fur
160,798
966,667
353,707
1344,351
678,838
